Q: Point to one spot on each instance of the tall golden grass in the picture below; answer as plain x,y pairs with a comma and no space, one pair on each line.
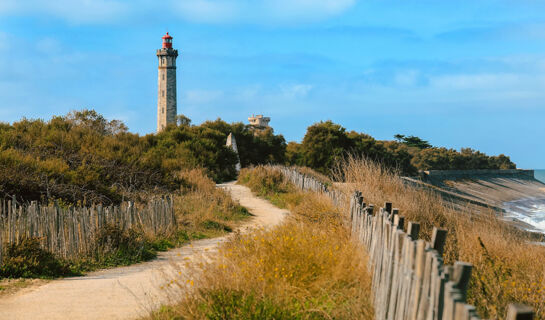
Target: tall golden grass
507,267
202,209
306,268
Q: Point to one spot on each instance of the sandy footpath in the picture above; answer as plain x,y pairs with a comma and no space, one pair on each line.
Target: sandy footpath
126,292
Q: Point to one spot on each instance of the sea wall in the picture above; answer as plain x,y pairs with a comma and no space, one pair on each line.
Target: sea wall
491,187
464,174
516,194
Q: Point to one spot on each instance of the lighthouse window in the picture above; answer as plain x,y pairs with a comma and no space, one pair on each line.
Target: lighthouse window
163,93
163,110
163,76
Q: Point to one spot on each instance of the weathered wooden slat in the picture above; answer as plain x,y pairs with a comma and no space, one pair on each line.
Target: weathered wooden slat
68,232
517,311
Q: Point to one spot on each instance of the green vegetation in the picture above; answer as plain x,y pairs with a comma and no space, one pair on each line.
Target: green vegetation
237,304
82,157
271,185
112,247
306,268
202,211
28,260
326,142
413,141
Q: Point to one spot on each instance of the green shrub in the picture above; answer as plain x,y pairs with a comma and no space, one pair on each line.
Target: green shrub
265,181
211,224
227,304
326,142
114,247
27,259
83,157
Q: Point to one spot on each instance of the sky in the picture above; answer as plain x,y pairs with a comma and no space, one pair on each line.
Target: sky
456,73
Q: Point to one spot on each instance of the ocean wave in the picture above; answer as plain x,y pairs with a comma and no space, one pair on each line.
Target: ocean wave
529,211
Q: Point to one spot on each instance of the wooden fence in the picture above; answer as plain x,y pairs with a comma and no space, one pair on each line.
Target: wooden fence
410,280
70,232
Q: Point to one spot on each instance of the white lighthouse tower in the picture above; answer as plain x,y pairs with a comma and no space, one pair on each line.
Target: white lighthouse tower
166,94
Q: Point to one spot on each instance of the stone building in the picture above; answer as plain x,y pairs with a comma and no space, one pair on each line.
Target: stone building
166,94
259,121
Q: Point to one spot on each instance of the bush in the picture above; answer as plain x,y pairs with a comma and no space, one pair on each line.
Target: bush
233,304
27,259
264,181
82,157
325,143
115,246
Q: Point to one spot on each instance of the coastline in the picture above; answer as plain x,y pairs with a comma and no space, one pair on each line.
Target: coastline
517,195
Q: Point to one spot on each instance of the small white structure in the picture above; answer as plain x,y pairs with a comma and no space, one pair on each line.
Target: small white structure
232,143
259,121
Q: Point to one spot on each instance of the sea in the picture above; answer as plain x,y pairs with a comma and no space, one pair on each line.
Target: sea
530,210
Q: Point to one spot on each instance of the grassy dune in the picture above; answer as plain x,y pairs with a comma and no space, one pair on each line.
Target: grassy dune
306,268
507,268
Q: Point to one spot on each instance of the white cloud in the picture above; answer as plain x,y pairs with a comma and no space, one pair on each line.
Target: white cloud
306,9
260,11
249,93
296,91
48,45
207,10
74,11
407,78
203,96
204,11
477,81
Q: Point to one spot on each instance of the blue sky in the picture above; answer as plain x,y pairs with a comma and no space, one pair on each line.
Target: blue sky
456,73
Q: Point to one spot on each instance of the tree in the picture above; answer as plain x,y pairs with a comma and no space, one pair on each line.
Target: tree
413,141
294,154
182,120
323,143
83,157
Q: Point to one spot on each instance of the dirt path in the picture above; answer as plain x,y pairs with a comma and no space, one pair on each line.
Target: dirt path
127,292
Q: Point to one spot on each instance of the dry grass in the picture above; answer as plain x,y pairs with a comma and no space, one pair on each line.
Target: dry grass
507,268
12,286
202,209
306,268
270,184
316,175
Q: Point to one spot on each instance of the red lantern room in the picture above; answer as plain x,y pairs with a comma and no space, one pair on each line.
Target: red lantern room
167,41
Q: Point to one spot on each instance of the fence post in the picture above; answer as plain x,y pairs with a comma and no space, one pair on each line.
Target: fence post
461,276
413,229
438,239
388,207
517,311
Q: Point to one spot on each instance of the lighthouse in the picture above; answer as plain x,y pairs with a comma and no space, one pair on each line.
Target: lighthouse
166,94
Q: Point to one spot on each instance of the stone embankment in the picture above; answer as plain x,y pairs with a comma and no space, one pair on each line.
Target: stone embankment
486,187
